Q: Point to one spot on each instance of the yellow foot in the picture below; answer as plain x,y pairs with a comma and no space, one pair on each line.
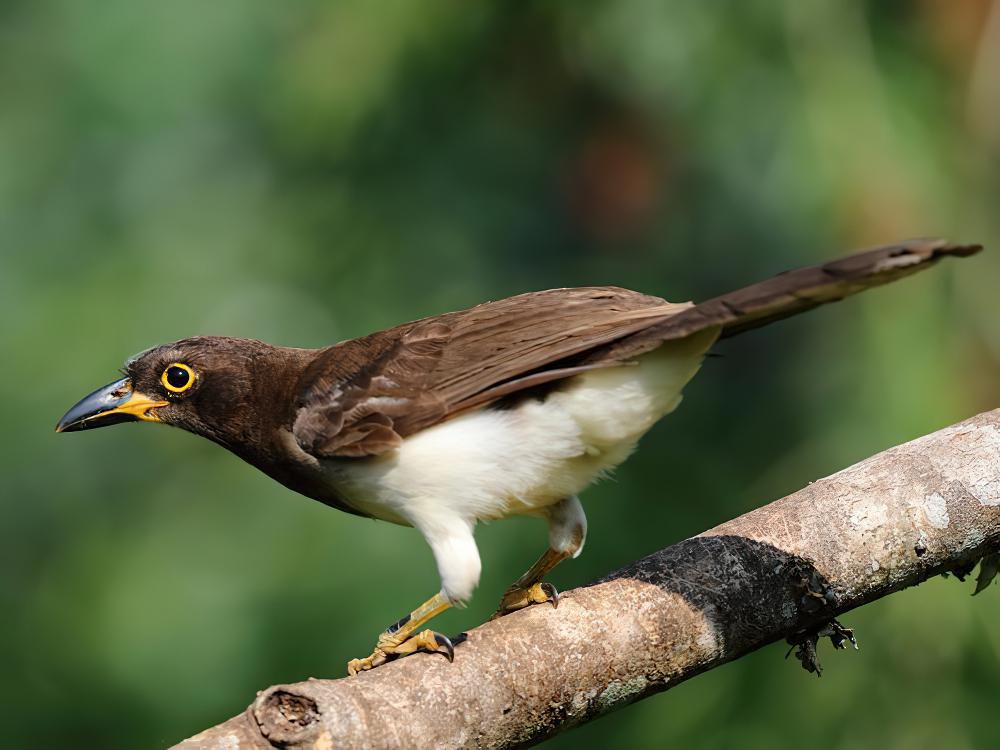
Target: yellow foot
389,648
516,598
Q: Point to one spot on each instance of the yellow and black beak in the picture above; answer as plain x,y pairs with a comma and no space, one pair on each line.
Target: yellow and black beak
112,404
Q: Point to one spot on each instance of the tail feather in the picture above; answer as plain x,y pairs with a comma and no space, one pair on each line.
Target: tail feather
805,288
792,292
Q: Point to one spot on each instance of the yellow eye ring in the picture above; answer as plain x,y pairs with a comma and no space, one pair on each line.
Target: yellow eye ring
177,377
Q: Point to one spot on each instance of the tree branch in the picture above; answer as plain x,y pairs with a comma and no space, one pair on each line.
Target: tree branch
782,571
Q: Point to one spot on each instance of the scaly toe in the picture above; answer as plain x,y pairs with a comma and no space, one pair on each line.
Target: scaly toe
517,598
429,641
387,650
377,658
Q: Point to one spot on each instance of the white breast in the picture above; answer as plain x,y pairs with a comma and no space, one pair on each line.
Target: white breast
494,463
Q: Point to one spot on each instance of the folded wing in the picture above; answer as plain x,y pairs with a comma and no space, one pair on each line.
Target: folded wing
361,397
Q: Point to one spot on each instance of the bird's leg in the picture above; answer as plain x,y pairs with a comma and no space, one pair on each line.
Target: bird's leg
399,639
567,531
450,538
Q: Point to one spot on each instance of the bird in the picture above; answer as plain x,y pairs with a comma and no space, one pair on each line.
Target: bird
511,407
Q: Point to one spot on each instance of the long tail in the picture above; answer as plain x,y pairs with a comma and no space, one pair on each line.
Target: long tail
792,292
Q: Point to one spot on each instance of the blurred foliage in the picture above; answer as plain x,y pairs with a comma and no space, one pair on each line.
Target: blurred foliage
306,172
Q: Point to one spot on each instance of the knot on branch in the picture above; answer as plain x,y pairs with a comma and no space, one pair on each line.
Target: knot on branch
285,717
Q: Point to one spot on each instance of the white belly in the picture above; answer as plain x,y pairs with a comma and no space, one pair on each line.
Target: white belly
494,463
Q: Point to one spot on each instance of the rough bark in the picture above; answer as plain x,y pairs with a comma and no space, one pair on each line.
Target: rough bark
782,571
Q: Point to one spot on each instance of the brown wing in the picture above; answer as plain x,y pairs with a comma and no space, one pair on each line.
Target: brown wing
361,397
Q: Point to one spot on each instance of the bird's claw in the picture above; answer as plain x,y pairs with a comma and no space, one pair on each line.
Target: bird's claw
516,598
389,648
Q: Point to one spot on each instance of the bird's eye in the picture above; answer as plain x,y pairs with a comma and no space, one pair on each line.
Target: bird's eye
177,378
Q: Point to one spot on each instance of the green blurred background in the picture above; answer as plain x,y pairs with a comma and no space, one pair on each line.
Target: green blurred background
310,171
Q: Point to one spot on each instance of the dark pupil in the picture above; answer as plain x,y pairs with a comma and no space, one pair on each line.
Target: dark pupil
177,377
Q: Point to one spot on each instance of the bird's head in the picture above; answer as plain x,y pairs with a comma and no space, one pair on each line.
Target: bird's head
226,389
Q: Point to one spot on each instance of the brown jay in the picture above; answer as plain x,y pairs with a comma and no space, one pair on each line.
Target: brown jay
510,407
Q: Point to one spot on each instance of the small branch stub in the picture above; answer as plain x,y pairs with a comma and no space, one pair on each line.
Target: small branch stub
805,644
